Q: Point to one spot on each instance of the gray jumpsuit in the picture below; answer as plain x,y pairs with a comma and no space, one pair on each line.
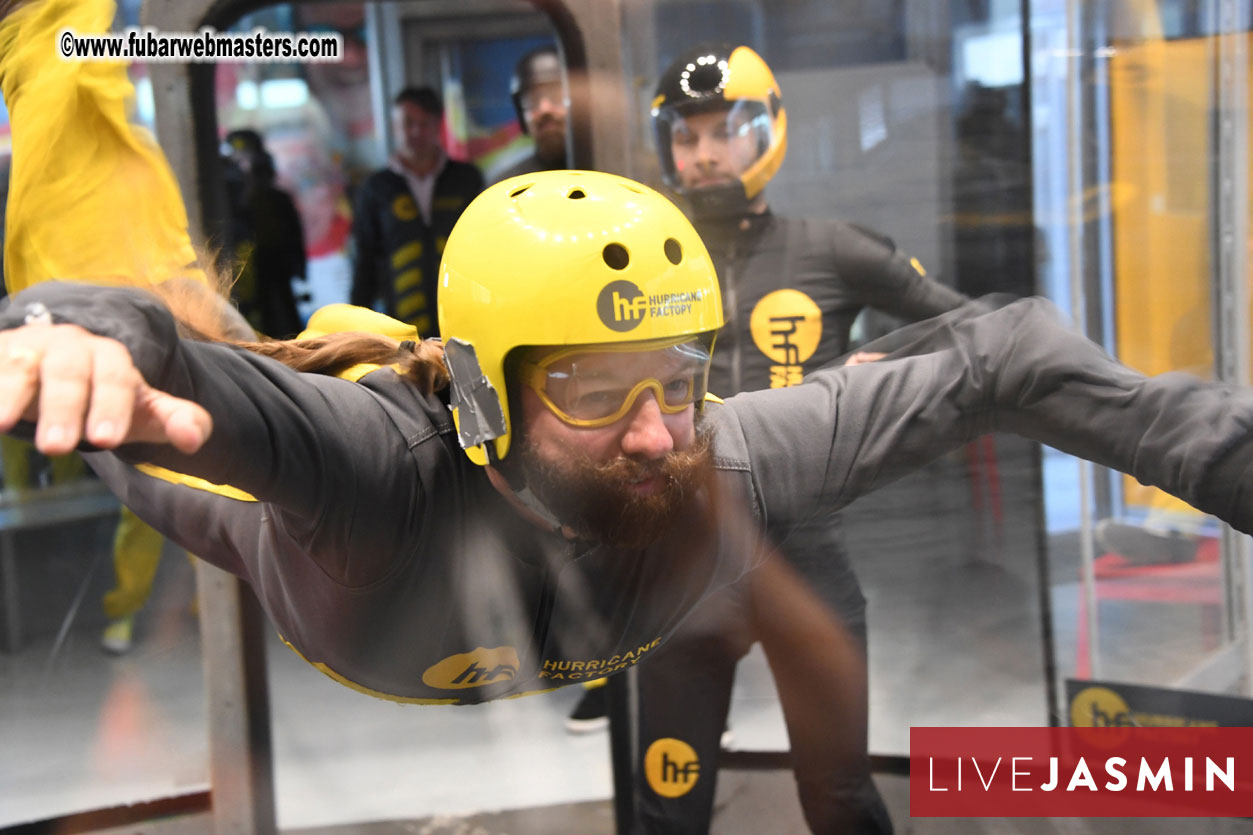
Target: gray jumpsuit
384,556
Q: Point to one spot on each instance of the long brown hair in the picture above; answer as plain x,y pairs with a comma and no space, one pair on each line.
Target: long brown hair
204,313
422,362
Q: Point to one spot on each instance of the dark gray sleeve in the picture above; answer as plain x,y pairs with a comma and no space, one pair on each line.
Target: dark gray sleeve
325,451
845,431
886,278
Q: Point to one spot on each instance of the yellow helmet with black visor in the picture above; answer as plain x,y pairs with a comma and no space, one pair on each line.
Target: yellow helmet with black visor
736,81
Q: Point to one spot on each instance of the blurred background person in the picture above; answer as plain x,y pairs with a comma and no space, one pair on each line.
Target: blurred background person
404,213
136,554
267,238
539,97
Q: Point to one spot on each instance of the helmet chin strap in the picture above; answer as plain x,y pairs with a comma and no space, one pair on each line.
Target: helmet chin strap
510,484
531,503
722,202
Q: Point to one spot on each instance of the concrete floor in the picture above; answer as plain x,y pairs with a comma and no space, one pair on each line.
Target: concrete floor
955,640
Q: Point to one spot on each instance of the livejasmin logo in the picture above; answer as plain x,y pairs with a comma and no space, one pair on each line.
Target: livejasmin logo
1081,772
1021,770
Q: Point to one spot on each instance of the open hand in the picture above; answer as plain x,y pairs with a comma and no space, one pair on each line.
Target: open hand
75,385
860,357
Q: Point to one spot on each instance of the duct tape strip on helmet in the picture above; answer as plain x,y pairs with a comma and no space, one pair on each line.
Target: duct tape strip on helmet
475,403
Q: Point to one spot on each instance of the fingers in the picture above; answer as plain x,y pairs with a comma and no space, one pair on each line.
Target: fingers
861,357
19,381
115,384
64,393
39,367
164,418
125,409
75,385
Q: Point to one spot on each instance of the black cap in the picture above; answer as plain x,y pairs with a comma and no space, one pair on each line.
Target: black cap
541,65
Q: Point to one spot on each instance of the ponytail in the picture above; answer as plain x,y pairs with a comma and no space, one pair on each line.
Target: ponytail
333,354
204,313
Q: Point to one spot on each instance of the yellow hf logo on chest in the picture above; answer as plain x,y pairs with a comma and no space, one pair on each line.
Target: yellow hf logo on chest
473,669
786,327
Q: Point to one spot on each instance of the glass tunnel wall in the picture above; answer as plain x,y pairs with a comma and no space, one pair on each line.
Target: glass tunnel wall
1092,153
911,120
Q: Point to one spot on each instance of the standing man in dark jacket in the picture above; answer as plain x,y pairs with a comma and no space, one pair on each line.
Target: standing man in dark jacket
404,213
538,91
791,289
267,237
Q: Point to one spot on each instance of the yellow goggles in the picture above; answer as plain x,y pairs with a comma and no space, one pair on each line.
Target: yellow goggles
598,386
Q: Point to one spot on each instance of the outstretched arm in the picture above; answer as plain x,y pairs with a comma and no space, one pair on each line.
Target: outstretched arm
113,371
885,278
1018,369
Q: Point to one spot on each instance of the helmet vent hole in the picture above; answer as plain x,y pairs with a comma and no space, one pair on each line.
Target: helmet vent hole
577,194
616,256
518,191
632,189
674,251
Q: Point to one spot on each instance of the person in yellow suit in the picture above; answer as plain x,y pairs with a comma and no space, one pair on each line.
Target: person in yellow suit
136,554
92,199
20,476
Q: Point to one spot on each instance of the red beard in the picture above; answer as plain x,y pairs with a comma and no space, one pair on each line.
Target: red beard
600,502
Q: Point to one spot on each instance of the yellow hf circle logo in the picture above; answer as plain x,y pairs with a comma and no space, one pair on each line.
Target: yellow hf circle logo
786,326
1099,707
404,208
671,767
473,669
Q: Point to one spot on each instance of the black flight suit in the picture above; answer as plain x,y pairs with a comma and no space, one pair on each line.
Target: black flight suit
397,250
791,290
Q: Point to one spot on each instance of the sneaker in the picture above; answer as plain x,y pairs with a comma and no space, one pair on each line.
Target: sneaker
117,636
590,714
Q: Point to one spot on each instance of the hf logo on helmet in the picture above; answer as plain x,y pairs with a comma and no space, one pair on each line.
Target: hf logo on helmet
622,306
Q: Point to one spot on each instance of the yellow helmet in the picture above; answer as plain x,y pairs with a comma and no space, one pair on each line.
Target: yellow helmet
727,78
562,258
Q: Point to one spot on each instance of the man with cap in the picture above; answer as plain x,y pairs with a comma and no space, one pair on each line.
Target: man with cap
539,98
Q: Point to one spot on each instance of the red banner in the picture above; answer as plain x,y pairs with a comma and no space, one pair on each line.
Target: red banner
1081,772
